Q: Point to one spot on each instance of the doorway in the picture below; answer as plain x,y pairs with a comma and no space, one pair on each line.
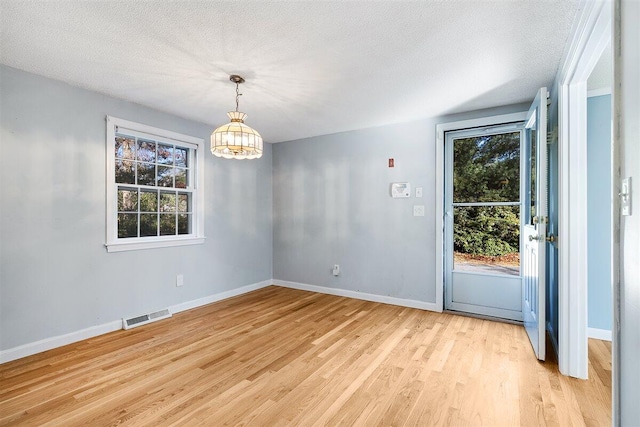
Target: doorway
599,196
483,221
494,201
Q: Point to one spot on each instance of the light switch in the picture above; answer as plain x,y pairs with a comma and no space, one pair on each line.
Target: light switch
418,210
418,191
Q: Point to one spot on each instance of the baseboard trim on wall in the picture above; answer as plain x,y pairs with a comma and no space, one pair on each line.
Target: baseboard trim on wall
430,306
72,337
599,334
188,305
58,341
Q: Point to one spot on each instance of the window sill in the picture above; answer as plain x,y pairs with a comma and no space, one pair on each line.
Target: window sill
165,243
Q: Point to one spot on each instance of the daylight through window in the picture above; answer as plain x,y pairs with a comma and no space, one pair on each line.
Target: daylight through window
153,175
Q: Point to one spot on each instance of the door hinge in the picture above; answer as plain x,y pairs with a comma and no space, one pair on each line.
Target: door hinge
541,220
552,136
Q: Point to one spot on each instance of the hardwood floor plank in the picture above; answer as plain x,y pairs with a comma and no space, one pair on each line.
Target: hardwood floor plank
282,357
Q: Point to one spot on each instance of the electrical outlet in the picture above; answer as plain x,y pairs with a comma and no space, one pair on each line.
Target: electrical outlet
336,270
418,210
179,280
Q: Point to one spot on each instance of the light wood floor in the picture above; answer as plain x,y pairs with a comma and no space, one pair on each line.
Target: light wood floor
285,357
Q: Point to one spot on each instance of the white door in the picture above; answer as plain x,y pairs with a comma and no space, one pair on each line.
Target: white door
535,218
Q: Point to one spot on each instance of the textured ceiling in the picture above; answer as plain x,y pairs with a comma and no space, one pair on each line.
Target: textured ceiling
312,67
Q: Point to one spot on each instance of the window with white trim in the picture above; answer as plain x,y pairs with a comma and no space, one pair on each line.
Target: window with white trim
154,187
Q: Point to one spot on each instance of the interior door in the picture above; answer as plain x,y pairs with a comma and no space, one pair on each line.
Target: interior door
535,221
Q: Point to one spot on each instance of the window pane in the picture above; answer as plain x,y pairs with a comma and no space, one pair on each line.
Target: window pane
125,147
125,172
127,200
183,202
165,176
181,155
167,224
146,151
146,174
167,202
127,225
181,178
148,225
148,201
165,154
184,224
487,168
487,239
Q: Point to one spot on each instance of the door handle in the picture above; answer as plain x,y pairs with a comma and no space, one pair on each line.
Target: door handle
550,239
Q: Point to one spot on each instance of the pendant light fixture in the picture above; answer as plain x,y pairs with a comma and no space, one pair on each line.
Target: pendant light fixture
235,140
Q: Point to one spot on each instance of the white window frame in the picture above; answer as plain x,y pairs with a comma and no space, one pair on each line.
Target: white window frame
196,148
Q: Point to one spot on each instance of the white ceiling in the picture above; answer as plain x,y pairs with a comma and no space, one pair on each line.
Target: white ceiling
312,67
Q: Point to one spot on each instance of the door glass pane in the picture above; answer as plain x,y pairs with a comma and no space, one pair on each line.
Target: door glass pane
487,168
486,239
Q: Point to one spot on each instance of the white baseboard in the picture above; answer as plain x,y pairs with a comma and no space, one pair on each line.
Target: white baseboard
188,305
61,340
58,341
430,306
599,334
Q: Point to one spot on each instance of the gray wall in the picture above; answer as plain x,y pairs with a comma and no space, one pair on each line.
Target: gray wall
627,104
600,310
55,274
332,206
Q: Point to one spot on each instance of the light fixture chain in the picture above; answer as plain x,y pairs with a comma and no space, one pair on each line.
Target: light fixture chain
238,94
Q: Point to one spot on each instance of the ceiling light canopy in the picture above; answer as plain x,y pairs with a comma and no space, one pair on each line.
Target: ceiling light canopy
235,140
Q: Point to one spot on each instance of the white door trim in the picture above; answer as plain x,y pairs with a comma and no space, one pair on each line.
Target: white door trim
440,170
592,32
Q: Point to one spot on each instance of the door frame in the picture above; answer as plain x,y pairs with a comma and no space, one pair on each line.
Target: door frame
591,34
440,141
450,274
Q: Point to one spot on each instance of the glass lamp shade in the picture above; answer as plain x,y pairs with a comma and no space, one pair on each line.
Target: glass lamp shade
235,140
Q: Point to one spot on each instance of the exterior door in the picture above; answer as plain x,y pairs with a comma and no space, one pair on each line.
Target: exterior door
483,221
535,219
